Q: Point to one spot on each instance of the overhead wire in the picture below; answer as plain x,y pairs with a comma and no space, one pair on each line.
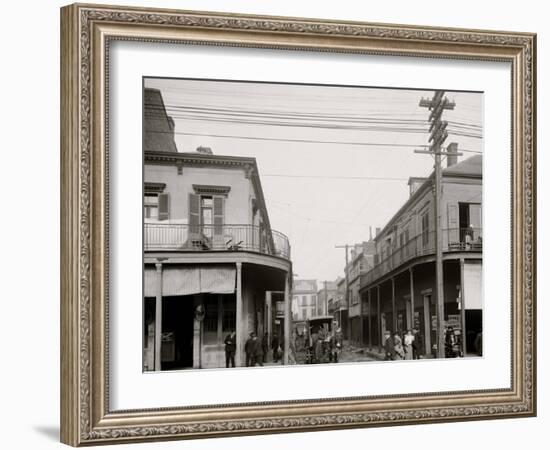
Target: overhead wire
305,141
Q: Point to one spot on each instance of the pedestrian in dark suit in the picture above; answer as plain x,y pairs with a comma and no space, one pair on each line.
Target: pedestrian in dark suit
230,348
389,347
258,351
250,350
416,344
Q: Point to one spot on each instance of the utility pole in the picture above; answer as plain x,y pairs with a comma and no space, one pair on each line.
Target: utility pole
325,302
437,104
346,246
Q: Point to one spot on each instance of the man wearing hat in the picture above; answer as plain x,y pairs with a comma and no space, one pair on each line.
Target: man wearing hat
389,346
250,349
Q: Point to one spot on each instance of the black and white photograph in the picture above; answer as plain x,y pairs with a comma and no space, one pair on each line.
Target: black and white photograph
294,224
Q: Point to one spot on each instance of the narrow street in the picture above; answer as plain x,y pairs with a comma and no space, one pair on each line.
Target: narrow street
357,354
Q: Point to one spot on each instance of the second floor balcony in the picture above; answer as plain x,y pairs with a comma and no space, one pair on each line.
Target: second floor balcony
184,237
453,240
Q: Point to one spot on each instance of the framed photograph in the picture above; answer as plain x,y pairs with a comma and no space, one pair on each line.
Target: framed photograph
274,224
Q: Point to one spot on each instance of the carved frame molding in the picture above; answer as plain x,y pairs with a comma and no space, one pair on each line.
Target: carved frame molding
86,33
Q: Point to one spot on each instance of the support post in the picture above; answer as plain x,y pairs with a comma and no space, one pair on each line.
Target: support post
369,318
287,320
158,317
440,300
411,279
393,311
361,331
462,307
240,322
379,319
427,325
269,317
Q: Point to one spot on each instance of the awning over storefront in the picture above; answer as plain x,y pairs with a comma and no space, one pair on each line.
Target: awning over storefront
191,280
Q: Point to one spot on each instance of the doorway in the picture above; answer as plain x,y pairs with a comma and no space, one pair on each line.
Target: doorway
177,332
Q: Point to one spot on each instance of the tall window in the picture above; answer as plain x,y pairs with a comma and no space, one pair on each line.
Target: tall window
469,217
206,215
156,202
403,241
425,229
151,207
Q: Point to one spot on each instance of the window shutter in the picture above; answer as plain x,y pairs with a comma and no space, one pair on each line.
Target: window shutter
452,223
194,213
452,215
164,206
218,215
475,215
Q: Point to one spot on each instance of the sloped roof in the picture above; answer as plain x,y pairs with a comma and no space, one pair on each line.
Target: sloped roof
470,166
158,127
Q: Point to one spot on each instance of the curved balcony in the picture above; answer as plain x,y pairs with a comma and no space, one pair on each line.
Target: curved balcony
453,240
184,237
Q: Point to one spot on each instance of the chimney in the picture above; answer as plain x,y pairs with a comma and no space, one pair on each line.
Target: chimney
378,229
204,150
414,183
452,159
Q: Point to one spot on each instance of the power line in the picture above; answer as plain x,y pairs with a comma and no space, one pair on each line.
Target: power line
323,126
334,177
318,116
305,141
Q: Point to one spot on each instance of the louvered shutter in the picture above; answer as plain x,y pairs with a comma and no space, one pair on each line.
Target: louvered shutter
475,216
452,223
218,215
194,213
164,206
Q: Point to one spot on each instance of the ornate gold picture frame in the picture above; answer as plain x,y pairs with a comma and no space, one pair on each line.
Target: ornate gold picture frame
87,31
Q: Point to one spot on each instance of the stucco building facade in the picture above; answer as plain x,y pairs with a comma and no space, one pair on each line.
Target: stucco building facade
398,293
212,262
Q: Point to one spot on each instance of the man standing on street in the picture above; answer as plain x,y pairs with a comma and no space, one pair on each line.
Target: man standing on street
250,350
258,352
230,348
389,346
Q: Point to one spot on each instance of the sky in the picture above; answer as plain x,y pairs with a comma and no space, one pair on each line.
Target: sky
333,161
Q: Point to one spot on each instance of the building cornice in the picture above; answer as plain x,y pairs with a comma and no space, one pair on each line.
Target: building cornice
195,159
211,189
154,188
199,159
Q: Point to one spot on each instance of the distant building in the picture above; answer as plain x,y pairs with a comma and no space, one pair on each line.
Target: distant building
326,293
338,306
399,291
361,260
304,300
212,262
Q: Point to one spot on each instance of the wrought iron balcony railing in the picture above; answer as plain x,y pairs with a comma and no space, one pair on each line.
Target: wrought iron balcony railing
184,237
453,240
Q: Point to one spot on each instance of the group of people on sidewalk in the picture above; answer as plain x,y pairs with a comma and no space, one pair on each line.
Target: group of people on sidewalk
406,346
256,350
